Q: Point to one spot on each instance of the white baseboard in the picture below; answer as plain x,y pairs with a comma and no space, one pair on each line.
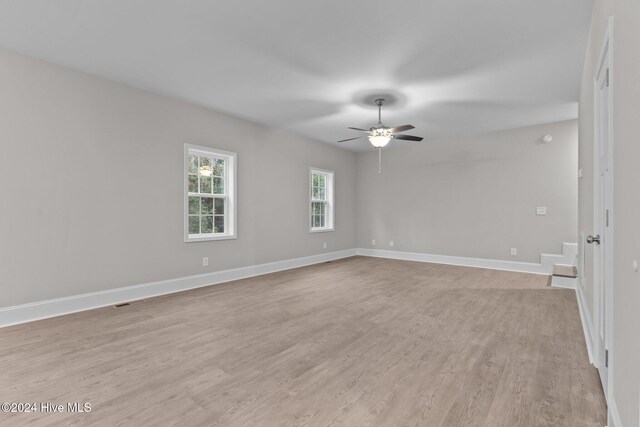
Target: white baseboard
586,322
56,307
493,264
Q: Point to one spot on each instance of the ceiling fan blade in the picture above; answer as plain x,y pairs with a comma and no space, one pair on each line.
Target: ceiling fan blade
401,128
350,139
408,137
361,130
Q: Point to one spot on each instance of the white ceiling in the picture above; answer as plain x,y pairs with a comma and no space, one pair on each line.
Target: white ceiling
456,66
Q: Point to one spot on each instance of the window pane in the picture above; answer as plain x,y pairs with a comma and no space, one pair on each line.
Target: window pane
314,193
207,205
207,224
193,183
205,184
316,221
219,225
322,194
218,186
194,205
219,206
194,224
205,162
218,168
322,218
322,208
193,164
321,181
314,181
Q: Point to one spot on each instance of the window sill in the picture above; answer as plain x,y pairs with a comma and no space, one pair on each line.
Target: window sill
320,230
209,238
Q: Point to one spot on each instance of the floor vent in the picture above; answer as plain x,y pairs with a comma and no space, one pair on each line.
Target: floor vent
124,304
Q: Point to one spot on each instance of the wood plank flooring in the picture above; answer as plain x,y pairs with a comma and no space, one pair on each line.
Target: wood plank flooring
356,342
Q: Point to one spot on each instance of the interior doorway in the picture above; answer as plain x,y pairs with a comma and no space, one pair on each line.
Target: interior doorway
602,237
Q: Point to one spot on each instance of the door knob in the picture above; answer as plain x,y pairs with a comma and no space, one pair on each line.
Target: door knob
593,239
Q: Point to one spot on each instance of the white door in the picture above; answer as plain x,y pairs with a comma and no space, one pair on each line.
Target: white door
601,239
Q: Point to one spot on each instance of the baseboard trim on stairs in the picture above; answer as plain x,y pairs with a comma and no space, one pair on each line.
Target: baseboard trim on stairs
24,313
492,264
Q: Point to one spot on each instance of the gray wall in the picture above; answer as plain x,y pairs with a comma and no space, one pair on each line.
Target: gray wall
92,186
473,196
625,353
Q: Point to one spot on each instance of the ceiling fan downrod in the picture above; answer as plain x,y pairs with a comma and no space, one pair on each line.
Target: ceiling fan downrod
379,102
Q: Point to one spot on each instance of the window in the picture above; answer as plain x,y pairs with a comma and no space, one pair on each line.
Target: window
209,194
321,200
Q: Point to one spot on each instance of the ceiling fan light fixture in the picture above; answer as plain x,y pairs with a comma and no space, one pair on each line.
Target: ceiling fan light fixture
380,136
379,141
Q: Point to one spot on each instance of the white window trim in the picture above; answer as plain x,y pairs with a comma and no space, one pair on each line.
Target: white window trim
231,211
330,219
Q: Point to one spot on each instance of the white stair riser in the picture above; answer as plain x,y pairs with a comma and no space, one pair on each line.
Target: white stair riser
564,282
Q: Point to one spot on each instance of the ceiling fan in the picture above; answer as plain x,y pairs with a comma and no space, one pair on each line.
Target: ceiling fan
380,135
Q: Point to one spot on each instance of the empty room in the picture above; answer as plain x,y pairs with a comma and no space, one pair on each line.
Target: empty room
357,213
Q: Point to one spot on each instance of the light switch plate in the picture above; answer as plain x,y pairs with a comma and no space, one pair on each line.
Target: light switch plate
541,210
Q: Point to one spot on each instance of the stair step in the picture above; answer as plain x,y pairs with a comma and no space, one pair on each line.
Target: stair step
561,270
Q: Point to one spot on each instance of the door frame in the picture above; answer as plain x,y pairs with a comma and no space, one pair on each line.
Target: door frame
605,60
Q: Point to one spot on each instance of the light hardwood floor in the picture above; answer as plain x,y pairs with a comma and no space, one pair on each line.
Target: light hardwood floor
360,341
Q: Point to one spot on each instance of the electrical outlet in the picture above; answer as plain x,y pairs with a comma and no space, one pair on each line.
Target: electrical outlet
373,242
514,251
324,245
391,243
205,261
